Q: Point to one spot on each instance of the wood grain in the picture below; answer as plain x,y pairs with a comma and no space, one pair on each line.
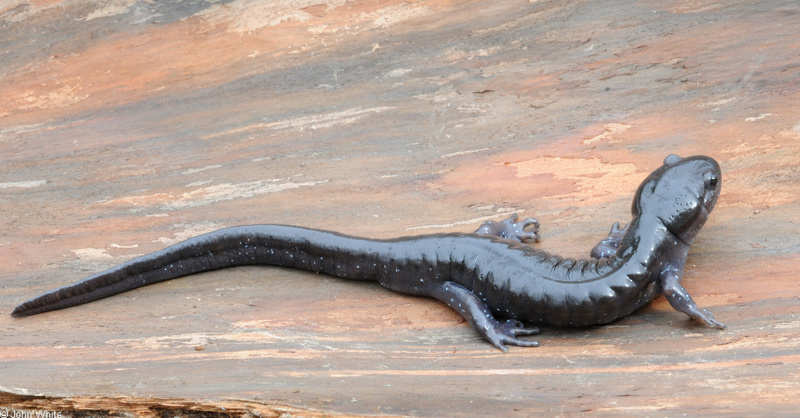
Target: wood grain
126,126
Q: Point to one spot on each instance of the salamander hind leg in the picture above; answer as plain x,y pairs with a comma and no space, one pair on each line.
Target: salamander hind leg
511,229
608,247
499,333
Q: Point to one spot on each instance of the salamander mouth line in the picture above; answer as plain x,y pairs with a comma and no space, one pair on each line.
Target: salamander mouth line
703,213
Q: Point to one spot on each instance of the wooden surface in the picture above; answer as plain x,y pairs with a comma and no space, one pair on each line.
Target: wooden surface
126,126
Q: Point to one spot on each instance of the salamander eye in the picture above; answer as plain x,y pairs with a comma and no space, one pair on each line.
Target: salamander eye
711,180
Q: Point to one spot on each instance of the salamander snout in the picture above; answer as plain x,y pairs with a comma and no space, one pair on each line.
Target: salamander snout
681,194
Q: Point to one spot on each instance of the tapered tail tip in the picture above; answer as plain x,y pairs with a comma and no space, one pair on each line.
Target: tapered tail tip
19,312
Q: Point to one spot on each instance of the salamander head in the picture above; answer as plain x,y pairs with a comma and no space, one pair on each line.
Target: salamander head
680,194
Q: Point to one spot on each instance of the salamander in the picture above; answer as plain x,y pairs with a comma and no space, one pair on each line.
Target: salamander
499,283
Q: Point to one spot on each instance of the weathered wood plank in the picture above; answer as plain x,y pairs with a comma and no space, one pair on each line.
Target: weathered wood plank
127,126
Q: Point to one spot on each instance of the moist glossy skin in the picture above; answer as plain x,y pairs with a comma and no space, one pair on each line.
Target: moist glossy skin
486,275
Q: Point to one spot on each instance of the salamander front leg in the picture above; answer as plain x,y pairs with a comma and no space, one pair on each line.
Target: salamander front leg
608,247
510,229
679,298
466,303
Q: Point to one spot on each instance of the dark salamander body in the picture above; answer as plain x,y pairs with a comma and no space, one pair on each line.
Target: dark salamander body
490,273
